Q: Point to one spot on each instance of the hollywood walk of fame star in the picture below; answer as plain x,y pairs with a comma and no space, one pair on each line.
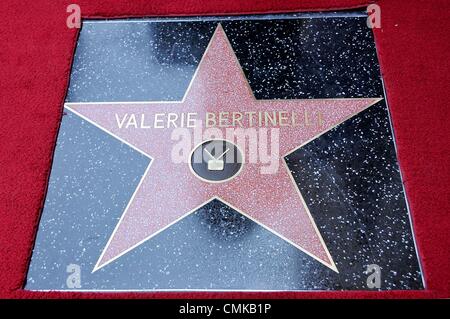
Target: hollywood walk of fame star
168,191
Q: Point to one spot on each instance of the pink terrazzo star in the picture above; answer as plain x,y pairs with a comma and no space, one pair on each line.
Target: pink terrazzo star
169,191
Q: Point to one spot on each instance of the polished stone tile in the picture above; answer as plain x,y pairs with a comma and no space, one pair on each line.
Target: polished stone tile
349,176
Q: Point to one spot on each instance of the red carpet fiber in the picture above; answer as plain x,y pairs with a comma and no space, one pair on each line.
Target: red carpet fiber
36,50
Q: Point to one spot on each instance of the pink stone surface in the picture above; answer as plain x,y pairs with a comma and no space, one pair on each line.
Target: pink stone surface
170,191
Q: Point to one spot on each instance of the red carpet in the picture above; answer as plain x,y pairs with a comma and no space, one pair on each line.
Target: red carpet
36,51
